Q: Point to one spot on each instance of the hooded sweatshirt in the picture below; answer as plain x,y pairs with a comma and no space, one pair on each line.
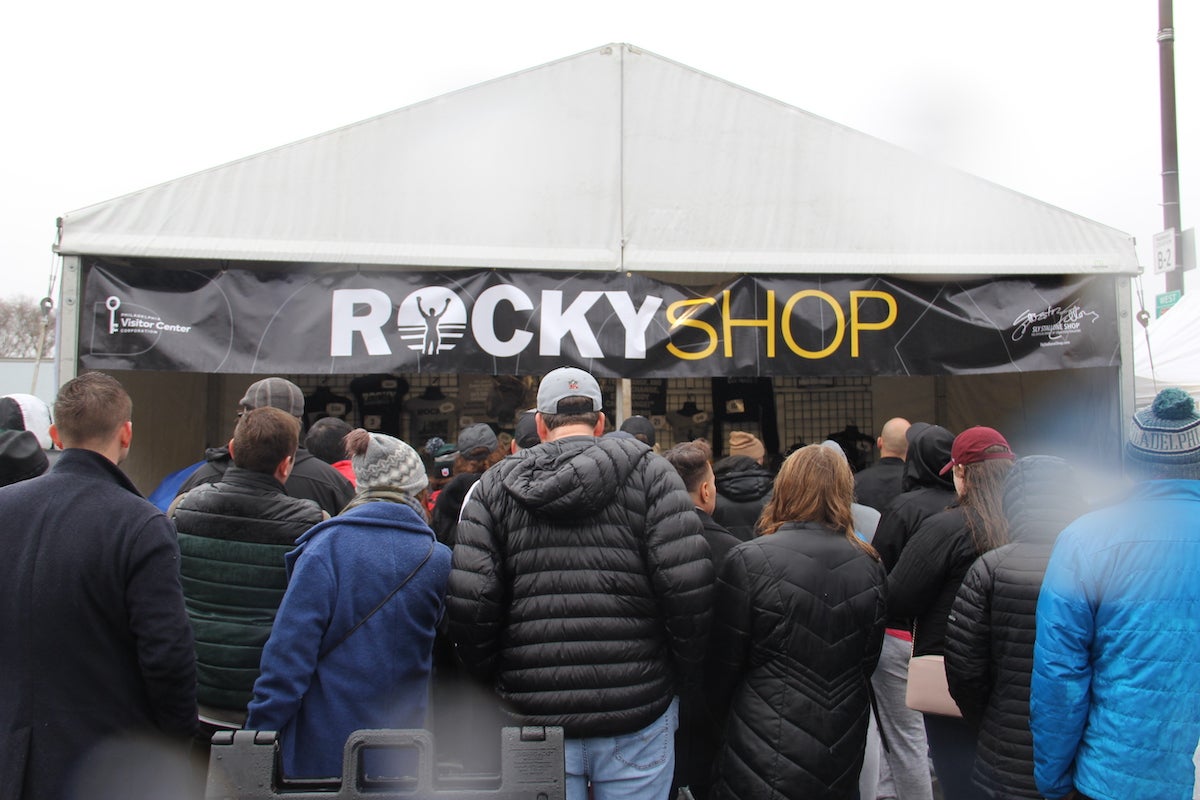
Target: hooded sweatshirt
743,489
581,585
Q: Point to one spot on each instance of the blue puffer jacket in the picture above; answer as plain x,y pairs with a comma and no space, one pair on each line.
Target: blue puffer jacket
1115,706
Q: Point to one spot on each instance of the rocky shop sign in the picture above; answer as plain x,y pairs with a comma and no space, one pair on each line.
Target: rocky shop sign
613,324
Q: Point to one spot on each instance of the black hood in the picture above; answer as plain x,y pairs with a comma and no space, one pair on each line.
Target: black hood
570,477
742,479
928,451
1042,495
21,457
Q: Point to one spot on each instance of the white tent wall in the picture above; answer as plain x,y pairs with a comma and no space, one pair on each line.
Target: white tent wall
1166,353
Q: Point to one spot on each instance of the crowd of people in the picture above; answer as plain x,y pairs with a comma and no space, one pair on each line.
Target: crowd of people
956,620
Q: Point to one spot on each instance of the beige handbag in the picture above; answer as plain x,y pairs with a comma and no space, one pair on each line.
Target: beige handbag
927,690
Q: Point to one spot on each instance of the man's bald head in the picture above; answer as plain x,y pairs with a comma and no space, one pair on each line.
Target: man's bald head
892,441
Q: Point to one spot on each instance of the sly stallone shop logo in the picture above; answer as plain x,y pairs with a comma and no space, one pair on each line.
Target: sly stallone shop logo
121,328
1054,325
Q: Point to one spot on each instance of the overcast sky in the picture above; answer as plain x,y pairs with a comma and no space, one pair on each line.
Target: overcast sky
1058,99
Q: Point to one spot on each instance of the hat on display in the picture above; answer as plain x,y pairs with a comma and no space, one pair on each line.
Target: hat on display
525,432
746,444
478,437
971,447
641,428
564,382
1164,439
275,392
382,461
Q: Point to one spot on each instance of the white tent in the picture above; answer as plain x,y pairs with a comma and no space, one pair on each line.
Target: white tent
1165,353
613,159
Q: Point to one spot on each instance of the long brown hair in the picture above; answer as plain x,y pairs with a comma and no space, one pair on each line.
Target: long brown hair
814,485
982,498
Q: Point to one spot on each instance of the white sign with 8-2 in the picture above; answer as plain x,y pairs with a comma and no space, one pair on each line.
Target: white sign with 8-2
1164,251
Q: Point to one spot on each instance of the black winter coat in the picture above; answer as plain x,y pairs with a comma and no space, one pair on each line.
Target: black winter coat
878,484
233,535
311,479
581,586
797,628
930,570
989,641
96,643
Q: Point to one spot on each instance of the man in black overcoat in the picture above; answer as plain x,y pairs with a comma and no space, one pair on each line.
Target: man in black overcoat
96,647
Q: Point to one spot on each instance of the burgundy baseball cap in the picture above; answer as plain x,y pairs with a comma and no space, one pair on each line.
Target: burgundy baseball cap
971,445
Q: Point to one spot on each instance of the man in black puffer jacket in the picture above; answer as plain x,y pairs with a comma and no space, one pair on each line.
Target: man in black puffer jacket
990,635
233,535
581,590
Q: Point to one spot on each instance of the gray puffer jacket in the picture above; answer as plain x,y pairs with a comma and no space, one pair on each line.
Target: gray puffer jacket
581,585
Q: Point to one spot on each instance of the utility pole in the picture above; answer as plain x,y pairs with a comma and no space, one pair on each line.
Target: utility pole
1170,144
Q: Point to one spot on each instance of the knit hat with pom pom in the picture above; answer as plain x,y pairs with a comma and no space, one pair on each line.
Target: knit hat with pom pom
384,462
1164,441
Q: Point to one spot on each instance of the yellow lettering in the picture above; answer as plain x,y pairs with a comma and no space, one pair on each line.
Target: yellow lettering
787,324
769,323
685,321
856,325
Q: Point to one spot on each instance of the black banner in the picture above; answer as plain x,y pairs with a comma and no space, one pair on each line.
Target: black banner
612,324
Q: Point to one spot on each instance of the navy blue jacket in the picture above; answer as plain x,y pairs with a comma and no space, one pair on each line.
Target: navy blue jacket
95,641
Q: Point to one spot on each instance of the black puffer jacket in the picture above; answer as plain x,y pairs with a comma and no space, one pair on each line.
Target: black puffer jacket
797,627
581,585
989,642
311,479
743,489
233,535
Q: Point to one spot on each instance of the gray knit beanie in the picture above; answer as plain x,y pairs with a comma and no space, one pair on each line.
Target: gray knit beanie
1164,440
381,461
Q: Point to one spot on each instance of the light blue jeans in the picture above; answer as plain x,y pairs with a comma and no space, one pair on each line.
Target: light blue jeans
633,766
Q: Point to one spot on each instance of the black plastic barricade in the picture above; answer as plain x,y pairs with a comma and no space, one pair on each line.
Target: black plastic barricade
244,765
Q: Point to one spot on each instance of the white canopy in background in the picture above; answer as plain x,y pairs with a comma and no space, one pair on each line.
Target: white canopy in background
612,159
1174,347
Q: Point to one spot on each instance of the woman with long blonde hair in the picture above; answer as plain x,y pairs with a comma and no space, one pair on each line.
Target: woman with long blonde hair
797,627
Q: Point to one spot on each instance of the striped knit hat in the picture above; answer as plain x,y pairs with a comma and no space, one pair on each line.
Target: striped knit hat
1164,440
384,462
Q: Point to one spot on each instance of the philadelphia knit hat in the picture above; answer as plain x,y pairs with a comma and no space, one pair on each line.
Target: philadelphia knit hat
746,444
384,462
275,392
1164,440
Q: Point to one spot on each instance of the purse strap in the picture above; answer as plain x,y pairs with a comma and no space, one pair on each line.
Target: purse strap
381,604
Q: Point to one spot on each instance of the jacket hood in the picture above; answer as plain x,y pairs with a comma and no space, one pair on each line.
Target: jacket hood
928,451
388,518
742,479
1042,495
570,477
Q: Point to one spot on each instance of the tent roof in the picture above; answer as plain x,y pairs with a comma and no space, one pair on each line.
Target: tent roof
615,158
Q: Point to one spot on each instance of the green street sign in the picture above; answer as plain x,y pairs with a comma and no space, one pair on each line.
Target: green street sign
1165,300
